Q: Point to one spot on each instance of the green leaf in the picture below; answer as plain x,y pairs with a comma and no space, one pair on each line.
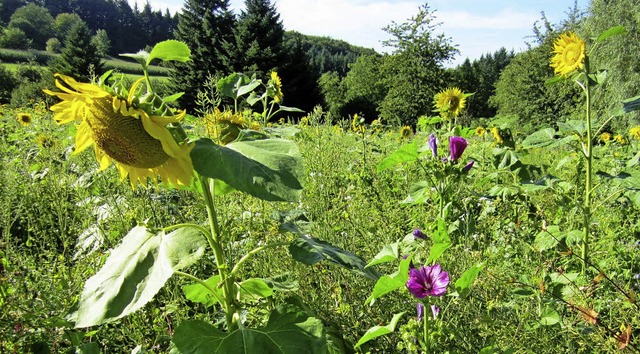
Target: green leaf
389,283
463,284
418,193
244,89
540,138
200,294
405,153
613,31
436,251
141,57
88,348
173,97
290,109
255,287
228,85
288,331
282,282
309,251
441,235
134,272
573,126
631,104
387,254
169,50
524,292
549,316
377,331
269,169
545,241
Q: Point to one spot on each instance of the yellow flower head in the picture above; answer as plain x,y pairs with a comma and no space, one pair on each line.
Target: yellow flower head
45,141
495,132
605,137
357,124
304,122
376,126
24,119
450,101
620,139
635,132
276,85
139,144
480,131
406,132
569,54
224,127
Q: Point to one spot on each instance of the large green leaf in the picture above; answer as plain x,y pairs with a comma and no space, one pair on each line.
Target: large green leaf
387,254
288,331
200,294
613,31
463,284
169,50
134,272
419,192
377,331
389,283
269,169
309,250
406,153
540,138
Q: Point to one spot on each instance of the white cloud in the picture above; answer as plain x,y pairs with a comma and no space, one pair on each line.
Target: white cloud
505,19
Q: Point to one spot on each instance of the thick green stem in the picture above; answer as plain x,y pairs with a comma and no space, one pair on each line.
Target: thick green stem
589,158
228,287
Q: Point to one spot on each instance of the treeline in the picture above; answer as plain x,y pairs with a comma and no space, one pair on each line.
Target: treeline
31,23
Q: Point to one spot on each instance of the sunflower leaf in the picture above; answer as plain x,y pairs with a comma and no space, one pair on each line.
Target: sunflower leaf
134,273
613,31
269,169
169,50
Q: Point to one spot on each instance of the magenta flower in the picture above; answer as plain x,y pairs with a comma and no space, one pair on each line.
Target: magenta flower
456,147
468,167
433,144
435,310
417,233
420,311
427,281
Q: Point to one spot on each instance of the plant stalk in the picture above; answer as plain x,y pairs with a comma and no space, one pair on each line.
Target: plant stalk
589,168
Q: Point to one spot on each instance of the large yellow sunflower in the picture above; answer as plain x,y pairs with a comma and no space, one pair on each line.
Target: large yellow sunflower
635,132
139,144
225,126
569,52
450,101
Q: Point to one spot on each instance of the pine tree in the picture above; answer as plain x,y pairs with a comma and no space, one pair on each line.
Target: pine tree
79,58
206,26
259,38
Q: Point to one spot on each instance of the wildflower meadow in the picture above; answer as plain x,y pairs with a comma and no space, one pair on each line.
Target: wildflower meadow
130,224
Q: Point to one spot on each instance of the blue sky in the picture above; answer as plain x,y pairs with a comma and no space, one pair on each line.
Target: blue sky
475,26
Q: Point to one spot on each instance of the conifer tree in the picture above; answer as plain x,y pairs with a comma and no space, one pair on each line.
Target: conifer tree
79,58
206,26
259,38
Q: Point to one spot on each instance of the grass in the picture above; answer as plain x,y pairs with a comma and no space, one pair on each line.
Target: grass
48,197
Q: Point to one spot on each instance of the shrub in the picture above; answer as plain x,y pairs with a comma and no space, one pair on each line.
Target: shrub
7,83
14,38
54,45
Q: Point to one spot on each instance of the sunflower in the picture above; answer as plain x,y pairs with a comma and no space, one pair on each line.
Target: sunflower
569,52
605,137
495,132
224,127
276,85
357,124
376,126
406,132
480,131
620,139
45,141
139,144
635,132
24,119
450,101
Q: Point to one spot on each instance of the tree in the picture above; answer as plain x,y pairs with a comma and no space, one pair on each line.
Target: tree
8,7
63,24
299,79
259,36
415,72
79,58
365,90
618,55
206,26
14,38
101,41
35,21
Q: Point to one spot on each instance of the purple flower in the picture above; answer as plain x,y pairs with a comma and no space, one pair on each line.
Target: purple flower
429,280
456,147
420,311
435,310
433,144
467,168
417,233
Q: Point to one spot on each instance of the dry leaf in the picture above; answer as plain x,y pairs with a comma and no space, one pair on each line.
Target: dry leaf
625,336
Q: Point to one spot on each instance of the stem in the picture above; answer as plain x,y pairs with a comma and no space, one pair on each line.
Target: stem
195,226
214,239
589,158
244,258
426,327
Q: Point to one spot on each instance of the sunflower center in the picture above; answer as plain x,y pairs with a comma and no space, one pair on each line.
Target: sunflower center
571,53
123,138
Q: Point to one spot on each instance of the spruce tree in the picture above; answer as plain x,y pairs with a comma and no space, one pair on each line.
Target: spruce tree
259,38
79,58
206,27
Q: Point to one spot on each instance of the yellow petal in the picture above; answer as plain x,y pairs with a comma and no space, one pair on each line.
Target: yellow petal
83,137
